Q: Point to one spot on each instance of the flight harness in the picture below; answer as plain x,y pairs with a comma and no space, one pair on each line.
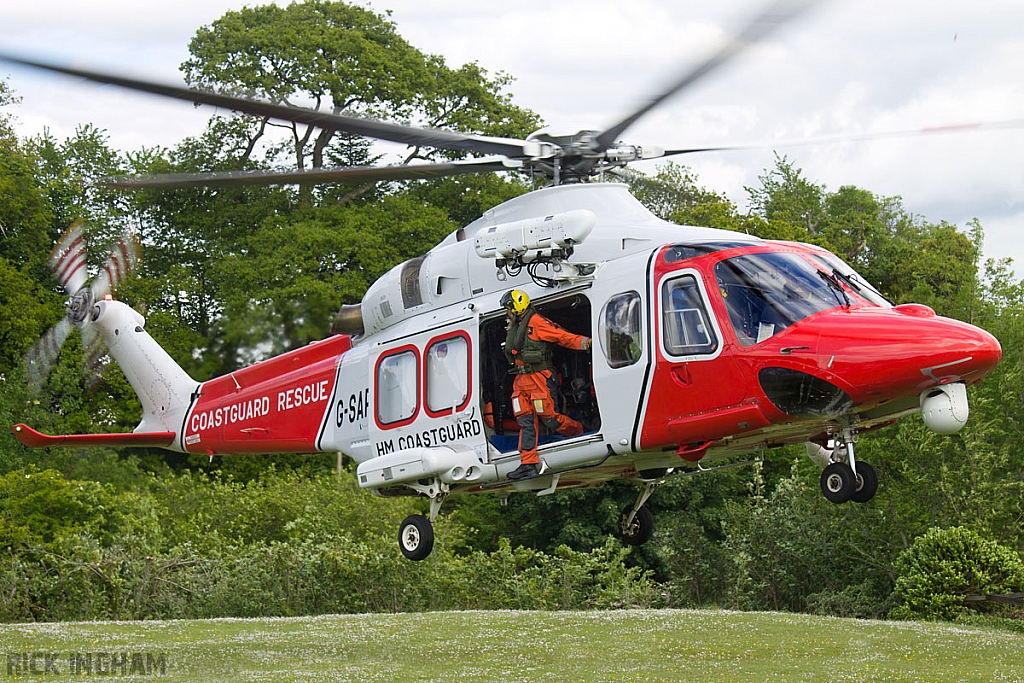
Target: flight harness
535,355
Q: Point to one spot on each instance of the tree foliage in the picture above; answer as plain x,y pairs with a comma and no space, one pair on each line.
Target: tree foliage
674,195
344,59
25,214
945,565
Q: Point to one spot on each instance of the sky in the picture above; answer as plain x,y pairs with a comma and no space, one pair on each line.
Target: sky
846,68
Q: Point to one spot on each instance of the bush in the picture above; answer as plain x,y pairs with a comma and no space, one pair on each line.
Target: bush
944,565
41,507
791,550
278,506
858,601
78,578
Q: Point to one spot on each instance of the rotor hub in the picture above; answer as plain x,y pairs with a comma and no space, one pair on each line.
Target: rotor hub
79,305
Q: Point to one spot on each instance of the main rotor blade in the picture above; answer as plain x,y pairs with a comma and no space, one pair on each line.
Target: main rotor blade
757,29
1005,124
314,175
380,130
694,150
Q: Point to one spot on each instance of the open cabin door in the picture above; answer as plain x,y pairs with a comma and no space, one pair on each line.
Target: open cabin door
573,371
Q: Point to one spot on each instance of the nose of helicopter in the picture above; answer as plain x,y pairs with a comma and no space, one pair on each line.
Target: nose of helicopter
882,354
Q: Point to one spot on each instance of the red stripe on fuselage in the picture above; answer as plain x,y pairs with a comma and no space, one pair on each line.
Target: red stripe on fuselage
276,406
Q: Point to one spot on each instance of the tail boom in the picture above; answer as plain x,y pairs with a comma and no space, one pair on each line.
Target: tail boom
279,405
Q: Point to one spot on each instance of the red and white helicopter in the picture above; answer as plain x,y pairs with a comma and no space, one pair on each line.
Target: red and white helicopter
709,345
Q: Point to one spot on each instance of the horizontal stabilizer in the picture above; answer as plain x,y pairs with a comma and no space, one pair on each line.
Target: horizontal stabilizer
34,439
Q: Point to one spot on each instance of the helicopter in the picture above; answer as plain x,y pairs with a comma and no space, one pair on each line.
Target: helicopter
710,347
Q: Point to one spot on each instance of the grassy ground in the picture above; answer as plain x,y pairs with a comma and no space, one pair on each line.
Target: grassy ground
665,645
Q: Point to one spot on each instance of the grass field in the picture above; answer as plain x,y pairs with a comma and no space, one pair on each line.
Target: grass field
661,645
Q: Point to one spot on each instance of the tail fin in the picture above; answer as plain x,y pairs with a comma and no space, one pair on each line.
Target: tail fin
164,389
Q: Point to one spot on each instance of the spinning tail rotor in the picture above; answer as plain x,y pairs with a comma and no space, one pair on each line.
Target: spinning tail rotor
69,264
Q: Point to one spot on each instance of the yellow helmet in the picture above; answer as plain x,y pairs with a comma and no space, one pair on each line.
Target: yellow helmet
515,300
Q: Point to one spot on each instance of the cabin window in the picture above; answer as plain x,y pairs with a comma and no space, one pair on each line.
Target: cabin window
447,375
687,330
397,387
620,330
766,293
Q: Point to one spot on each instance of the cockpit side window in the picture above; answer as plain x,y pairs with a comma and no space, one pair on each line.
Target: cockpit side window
685,325
619,326
766,293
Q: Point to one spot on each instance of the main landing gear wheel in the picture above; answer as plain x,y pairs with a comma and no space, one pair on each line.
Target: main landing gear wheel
639,532
416,537
838,483
867,483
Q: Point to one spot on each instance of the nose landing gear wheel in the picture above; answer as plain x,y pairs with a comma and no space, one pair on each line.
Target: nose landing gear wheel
838,483
867,483
416,537
639,532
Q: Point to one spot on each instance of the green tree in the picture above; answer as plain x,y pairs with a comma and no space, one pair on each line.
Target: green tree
792,206
67,170
39,508
907,258
25,314
945,565
289,277
266,268
344,59
792,550
332,54
852,223
674,195
933,264
25,215
466,198
188,233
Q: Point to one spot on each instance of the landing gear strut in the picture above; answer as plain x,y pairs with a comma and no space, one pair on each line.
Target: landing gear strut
843,478
636,524
416,533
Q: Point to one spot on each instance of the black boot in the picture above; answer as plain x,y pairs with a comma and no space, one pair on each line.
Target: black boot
523,471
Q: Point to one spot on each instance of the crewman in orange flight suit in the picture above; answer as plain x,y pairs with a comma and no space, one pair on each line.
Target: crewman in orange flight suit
527,348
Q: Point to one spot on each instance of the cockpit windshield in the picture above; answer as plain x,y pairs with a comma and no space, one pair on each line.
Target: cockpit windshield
842,271
766,293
